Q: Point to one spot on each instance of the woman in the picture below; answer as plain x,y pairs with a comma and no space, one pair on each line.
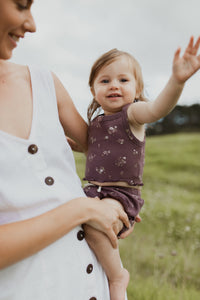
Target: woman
43,253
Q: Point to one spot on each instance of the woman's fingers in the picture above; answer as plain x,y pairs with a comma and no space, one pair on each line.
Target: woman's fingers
113,238
124,218
130,230
120,217
127,232
111,220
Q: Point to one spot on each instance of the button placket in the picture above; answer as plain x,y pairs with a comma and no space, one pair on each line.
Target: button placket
35,157
38,163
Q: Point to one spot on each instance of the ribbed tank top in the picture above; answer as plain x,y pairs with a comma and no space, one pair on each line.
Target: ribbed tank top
114,153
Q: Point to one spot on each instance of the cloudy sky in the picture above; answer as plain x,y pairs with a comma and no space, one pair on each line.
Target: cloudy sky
72,34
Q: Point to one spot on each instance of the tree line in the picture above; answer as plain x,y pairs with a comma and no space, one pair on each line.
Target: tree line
181,119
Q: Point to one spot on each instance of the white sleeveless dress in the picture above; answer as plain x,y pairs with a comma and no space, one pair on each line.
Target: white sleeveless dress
37,175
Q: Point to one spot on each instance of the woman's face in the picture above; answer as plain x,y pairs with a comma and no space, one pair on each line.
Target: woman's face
15,20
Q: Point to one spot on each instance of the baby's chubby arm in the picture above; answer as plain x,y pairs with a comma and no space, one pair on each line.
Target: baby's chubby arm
183,68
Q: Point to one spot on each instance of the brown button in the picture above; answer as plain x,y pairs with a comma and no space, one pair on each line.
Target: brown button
49,180
32,149
93,298
80,235
89,268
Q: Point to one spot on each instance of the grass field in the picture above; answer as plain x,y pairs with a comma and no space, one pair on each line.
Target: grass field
163,253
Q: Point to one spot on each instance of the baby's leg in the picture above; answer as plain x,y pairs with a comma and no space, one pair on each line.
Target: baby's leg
109,258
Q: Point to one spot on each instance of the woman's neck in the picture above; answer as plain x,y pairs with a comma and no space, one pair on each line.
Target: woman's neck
6,68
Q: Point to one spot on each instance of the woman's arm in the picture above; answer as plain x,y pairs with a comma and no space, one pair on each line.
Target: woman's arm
75,146
74,125
183,68
24,238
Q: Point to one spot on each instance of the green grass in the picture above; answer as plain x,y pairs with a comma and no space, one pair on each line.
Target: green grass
163,253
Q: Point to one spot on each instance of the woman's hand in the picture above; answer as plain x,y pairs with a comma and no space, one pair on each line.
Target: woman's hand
74,145
184,67
130,230
105,217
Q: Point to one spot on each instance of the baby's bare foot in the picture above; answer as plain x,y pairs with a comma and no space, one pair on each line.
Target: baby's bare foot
118,285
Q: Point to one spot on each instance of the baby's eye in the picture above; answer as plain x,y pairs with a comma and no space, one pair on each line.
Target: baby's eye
105,81
123,80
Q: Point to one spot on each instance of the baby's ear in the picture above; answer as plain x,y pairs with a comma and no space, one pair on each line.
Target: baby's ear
92,91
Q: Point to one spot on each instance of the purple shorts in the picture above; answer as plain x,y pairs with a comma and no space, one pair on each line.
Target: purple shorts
130,198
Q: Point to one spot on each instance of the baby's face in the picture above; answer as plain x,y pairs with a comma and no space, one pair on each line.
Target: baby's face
115,85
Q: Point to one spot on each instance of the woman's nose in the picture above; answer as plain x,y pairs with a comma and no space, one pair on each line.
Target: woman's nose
29,23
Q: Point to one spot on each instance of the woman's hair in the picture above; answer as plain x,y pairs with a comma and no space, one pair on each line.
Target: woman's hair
106,59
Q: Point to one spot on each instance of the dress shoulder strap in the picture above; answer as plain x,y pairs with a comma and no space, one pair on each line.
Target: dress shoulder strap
43,88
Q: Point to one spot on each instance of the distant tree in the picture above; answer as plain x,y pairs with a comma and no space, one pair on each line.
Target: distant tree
182,118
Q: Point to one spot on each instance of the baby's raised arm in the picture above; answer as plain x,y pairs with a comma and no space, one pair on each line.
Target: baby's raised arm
183,68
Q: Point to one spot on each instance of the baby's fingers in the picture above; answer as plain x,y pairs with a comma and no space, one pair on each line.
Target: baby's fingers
177,54
193,48
138,219
196,46
190,44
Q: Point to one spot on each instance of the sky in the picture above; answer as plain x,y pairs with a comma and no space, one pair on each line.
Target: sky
71,35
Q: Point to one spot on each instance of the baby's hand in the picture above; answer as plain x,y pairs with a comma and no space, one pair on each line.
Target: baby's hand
184,67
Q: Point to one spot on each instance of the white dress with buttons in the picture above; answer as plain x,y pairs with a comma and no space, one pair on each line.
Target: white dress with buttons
37,175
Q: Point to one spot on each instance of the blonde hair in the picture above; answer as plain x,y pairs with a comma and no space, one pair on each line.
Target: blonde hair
106,59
